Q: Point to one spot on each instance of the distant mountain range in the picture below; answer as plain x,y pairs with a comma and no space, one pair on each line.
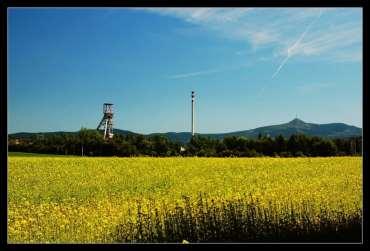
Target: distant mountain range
296,126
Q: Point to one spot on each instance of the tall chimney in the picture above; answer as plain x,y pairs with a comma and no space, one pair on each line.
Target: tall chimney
192,112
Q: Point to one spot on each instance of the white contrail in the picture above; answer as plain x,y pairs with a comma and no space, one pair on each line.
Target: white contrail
281,66
206,72
294,46
193,74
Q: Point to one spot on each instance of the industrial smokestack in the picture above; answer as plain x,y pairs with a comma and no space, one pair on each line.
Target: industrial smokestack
192,113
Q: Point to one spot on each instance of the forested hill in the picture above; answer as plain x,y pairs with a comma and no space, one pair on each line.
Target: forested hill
296,126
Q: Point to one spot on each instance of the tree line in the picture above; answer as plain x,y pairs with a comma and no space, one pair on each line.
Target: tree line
91,143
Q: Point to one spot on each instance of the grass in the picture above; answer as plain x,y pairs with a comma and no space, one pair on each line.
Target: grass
23,154
105,200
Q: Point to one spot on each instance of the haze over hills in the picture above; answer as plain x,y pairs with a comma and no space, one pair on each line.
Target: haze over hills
296,126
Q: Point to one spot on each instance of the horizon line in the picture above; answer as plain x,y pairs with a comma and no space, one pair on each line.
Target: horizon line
234,131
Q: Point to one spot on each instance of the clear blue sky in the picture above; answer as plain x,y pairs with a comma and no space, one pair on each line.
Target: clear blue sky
248,67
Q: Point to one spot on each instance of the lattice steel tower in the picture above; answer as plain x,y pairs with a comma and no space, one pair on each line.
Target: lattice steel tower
107,121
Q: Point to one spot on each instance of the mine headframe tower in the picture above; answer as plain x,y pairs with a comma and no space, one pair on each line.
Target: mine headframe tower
106,122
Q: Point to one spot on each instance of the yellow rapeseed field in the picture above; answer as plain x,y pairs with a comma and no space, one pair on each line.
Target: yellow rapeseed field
85,200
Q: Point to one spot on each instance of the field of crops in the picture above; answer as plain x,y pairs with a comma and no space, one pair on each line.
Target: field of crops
105,200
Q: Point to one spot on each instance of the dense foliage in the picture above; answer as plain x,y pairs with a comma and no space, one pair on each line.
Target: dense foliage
91,143
105,200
